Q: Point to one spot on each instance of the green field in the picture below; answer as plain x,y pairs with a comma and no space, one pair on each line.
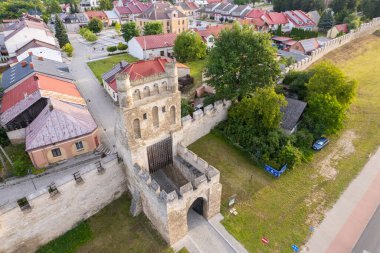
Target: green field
283,210
101,66
113,229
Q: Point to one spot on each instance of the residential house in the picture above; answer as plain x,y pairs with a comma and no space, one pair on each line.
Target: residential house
208,11
61,131
274,20
173,20
112,17
305,46
39,49
189,9
85,5
240,12
65,8
73,22
130,10
283,43
299,19
225,11
314,15
209,34
145,47
336,30
99,15
255,19
292,115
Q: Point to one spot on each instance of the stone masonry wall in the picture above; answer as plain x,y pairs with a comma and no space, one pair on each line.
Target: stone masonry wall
49,217
363,30
203,121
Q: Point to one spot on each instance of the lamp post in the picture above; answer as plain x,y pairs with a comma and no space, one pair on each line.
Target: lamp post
29,172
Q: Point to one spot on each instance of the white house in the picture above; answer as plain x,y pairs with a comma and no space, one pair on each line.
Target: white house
20,33
88,4
112,17
150,46
299,19
41,49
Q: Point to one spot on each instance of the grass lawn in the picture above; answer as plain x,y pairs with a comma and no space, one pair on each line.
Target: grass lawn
196,68
101,66
283,210
113,229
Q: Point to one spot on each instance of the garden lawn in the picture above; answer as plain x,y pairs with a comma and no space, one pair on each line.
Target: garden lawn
196,69
101,66
113,229
283,210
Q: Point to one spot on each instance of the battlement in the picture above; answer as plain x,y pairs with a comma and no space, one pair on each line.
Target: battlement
148,79
363,30
202,121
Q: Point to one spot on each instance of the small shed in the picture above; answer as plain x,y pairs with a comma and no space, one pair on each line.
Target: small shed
292,114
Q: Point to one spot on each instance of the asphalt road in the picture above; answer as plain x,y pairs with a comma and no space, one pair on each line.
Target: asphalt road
369,241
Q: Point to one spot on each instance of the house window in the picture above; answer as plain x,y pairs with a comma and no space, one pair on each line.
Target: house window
145,116
162,53
136,129
79,145
56,152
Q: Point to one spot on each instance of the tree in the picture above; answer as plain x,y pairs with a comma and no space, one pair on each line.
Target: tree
327,20
352,21
105,4
260,110
241,61
122,46
90,36
371,8
129,30
324,114
60,32
189,46
15,8
297,80
53,7
117,28
305,5
152,28
68,48
329,79
111,49
290,155
95,25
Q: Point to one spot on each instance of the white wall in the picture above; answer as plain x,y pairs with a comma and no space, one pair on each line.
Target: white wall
45,52
17,136
49,217
135,49
110,91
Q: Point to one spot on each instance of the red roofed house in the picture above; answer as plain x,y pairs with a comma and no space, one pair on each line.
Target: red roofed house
210,33
145,47
336,30
147,77
97,14
276,19
129,10
299,19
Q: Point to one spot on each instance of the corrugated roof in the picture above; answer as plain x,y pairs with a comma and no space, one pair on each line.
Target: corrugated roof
58,121
309,44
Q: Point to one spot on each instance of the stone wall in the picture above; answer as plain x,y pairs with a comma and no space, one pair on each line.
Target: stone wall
363,30
203,121
51,216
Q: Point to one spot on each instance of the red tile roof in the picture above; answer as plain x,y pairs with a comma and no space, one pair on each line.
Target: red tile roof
342,28
275,18
299,18
96,14
255,13
214,1
211,30
156,41
144,68
34,83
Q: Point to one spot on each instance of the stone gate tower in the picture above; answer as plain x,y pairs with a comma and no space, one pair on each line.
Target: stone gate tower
165,179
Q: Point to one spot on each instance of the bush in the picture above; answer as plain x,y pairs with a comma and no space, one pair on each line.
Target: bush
68,49
90,36
83,30
209,100
290,155
186,108
111,49
20,167
122,46
95,25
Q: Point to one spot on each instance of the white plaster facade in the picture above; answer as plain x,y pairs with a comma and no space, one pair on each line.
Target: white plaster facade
135,49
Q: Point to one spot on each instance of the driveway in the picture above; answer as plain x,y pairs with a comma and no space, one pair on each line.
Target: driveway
99,103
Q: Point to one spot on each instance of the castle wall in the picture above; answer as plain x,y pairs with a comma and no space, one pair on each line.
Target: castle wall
363,30
203,121
49,217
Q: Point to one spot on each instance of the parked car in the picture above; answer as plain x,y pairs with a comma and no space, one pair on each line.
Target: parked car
320,143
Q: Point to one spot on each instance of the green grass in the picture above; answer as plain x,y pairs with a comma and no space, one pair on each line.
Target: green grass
101,66
113,229
196,69
15,152
278,209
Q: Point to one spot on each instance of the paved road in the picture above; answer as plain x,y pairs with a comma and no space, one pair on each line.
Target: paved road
99,102
346,221
208,236
370,239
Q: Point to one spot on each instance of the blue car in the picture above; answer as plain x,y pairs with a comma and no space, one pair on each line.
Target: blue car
320,143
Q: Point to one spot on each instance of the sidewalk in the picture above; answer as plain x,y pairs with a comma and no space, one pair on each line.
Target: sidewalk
346,221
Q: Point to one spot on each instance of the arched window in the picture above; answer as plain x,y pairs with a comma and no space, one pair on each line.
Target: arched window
155,89
155,117
164,86
172,115
136,128
146,91
136,95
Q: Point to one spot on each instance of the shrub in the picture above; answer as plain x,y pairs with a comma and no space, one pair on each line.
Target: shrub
111,49
290,155
122,46
95,25
186,108
20,167
68,49
90,36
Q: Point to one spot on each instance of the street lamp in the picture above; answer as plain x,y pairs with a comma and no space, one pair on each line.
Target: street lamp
29,172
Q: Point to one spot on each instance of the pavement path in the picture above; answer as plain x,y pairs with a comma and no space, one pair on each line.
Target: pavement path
99,103
346,221
208,236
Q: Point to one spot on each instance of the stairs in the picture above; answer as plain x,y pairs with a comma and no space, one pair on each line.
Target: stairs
102,149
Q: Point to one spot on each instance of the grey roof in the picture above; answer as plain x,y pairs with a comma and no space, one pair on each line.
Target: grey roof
44,66
109,76
292,113
159,11
322,40
297,57
308,44
314,15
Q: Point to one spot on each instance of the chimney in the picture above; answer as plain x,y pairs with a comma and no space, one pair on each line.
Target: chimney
36,78
23,64
30,53
31,65
40,58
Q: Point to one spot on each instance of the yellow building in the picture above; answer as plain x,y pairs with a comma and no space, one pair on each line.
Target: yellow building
173,20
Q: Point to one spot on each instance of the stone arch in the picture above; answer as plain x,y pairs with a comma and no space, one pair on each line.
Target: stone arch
155,118
156,89
136,128
146,91
172,115
198,206
164,86
136,95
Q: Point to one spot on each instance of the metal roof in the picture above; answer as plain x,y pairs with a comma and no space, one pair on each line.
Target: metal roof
292,113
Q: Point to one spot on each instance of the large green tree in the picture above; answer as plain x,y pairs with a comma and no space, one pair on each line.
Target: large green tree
15,8
305,5
152,28
189,46
241,61
327,20
105,4
60,32
353,21
129,30
329,79
52,7
371,8
95,25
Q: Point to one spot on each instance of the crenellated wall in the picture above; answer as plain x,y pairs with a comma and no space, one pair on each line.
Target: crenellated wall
203,121
363,30
51,216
